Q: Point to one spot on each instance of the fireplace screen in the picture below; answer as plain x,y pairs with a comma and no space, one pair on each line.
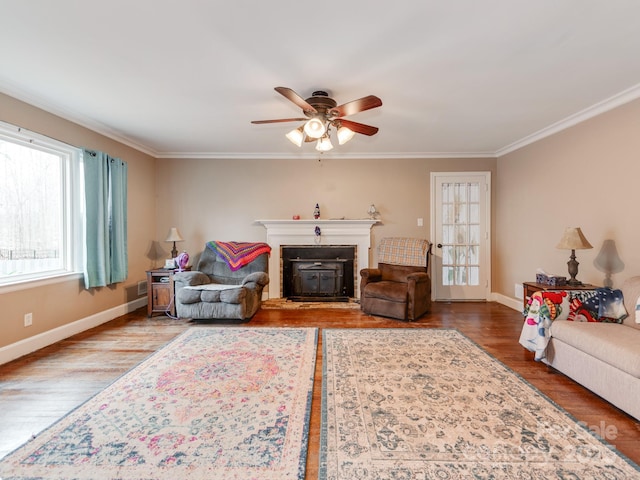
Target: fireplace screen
322,278
318,273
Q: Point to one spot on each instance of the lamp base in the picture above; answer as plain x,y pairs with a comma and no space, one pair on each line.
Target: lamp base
573,270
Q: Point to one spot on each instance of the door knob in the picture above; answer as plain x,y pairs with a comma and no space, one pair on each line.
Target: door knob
439,245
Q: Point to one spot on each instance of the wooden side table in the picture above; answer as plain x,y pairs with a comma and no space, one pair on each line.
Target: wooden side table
161,292
531,287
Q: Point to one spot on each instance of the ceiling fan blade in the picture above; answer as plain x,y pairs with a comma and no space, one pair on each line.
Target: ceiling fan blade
295,98
280,120
359,127
355,106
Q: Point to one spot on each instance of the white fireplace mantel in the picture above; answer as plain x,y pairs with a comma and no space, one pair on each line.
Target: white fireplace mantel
302,232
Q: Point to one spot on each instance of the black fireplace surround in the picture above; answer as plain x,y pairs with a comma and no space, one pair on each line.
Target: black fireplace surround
318,272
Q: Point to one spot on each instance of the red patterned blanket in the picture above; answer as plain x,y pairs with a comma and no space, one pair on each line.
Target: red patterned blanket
238,254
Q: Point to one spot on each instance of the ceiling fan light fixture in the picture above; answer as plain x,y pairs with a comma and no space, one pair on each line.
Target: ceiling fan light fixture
324,144
315,128
344,135
296,136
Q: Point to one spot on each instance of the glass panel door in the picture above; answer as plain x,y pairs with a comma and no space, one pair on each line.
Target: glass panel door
459,223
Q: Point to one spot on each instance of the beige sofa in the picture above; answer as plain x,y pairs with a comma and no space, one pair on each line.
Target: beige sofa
603,357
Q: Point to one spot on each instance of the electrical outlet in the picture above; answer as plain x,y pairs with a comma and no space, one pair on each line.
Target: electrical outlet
519,291
420,222
28,319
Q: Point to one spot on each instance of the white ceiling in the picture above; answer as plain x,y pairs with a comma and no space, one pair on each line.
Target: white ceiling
456,77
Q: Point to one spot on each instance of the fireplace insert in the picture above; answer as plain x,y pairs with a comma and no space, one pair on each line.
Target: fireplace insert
318,273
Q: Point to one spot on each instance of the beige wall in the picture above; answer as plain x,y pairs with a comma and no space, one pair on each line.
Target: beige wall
58,304
221,199
586,176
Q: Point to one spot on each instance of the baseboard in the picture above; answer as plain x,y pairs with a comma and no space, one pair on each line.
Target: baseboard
44,339
507,301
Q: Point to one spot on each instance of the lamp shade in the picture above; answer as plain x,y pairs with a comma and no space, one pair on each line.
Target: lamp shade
296,136
573,239
174,235
324,144
344,135
315,128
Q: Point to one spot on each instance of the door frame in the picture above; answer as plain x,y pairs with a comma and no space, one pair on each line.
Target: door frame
486,253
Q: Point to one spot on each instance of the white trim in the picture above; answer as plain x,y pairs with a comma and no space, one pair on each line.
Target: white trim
513,303
44,339
610,103
328,155
39,282
72,221
77,118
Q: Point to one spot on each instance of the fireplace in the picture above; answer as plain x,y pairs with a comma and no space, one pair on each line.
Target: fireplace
303,232
318,273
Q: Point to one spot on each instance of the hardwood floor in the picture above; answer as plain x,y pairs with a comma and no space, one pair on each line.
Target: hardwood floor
39,388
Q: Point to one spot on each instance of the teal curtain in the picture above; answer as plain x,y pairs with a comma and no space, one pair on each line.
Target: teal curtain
105,187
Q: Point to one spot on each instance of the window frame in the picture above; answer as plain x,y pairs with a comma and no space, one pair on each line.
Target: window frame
72,218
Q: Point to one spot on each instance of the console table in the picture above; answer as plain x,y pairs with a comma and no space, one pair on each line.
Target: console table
531,287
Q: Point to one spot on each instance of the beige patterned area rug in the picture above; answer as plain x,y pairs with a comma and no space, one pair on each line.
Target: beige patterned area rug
410,404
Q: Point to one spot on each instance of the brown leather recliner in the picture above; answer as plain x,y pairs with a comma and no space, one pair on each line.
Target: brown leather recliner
394,290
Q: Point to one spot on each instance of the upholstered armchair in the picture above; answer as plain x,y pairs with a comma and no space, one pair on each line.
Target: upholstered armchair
401,286
220,289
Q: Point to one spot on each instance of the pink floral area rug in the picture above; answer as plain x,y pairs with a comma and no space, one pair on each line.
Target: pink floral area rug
431,404
215,403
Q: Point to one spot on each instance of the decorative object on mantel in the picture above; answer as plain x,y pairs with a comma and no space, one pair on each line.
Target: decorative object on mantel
573,239
318,232
174,236
322,113
373,212
316,212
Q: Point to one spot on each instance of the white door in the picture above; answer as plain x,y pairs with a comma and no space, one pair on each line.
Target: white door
460,231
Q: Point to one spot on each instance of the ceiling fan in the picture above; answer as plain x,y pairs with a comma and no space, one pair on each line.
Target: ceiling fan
323,112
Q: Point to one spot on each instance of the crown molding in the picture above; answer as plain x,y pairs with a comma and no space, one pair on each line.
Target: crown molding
599,108
626,96
319,156
75,117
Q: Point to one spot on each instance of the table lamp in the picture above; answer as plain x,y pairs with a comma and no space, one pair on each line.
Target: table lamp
174,236
573,239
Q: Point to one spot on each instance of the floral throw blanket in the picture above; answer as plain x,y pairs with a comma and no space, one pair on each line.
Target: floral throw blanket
600,305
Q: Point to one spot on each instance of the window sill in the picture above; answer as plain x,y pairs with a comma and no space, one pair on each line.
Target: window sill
40,282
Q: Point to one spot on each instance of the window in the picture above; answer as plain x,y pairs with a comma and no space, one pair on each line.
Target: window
40,203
